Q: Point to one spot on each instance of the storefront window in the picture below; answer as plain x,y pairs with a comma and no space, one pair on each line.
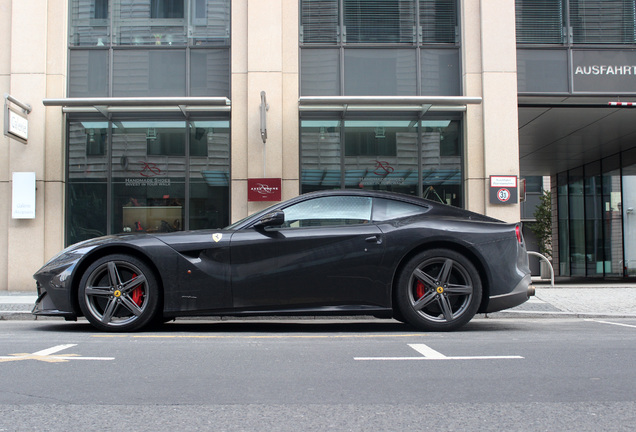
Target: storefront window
595,259
209,174
381,155
629,211
148,176
416,158
564,224
320,148
612,223
87,180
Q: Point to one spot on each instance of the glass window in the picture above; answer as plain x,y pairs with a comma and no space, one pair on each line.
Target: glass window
542,70
441,161
577,222
88,73
210,72
210,23
426,67
379,21
148,185
154,22
602,21
440,71
612,223
628,205
381,155
564,224
539,21
438,21
595,259
89,24
329,211
319,21
149,73
209,174
166,8
87,181
406,156
380,72
386,209
320,155
320,72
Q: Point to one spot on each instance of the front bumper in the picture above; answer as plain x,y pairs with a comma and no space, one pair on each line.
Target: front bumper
44,306
519,295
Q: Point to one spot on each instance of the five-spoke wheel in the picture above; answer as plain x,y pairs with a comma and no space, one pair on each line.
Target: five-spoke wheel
439,289
118,293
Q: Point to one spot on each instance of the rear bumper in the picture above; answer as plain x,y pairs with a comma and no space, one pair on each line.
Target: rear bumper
520,294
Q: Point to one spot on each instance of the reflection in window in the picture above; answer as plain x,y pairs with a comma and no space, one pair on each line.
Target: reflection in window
101,9
166,9
386,209
87,180
416,158
329,211
209,174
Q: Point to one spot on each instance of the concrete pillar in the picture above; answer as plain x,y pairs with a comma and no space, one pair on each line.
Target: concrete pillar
33,59
492,147
264,58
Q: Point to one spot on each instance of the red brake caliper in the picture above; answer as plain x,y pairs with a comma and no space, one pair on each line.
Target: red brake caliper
137,294
420,289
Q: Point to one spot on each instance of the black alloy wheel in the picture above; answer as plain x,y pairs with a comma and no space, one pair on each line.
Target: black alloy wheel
439,290
119,293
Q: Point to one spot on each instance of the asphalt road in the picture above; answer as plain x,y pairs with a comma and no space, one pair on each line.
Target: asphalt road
566,374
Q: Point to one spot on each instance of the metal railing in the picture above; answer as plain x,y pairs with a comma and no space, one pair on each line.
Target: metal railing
544,258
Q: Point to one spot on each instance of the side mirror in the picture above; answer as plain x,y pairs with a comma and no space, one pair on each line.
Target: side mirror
275,218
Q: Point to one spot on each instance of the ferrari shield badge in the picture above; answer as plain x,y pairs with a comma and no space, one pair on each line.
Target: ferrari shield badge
217,237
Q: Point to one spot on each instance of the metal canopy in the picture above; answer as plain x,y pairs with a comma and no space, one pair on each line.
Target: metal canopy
140,104
386,103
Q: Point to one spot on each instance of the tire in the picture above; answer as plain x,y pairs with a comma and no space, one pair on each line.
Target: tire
119,293
439,290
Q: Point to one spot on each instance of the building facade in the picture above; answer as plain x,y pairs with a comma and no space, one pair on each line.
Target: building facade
161,115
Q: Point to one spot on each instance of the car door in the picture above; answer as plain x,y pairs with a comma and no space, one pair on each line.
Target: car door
327,253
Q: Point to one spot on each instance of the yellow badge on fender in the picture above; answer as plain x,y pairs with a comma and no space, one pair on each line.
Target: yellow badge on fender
217,237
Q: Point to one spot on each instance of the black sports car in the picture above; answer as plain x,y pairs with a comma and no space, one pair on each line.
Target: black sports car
339,252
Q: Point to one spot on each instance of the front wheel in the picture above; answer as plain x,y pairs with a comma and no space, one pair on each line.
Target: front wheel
439,290
119,293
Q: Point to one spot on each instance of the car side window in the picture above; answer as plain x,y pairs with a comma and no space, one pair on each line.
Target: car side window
328,211
387,209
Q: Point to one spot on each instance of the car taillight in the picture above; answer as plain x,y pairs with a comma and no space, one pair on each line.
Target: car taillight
518,233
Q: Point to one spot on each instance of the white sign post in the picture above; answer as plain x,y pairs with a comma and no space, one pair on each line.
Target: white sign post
23,202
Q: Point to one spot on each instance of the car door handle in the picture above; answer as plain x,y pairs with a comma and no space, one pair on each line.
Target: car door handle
374,239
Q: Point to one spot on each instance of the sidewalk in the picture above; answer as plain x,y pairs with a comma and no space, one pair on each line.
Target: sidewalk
606,299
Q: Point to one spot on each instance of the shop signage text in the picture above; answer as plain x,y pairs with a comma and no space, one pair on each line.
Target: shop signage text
264,189
607,71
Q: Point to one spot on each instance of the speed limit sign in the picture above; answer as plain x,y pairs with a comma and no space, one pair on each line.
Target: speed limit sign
503,195
503,189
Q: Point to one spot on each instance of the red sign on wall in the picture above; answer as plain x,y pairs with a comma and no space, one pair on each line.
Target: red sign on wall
264,189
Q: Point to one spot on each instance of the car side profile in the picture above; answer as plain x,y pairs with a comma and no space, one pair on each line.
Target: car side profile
340,252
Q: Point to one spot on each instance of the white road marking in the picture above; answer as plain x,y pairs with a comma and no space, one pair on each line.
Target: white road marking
53,350
612,323
46,355
429,353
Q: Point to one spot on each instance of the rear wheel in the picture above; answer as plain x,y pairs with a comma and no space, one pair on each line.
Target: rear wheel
439,290
119,293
